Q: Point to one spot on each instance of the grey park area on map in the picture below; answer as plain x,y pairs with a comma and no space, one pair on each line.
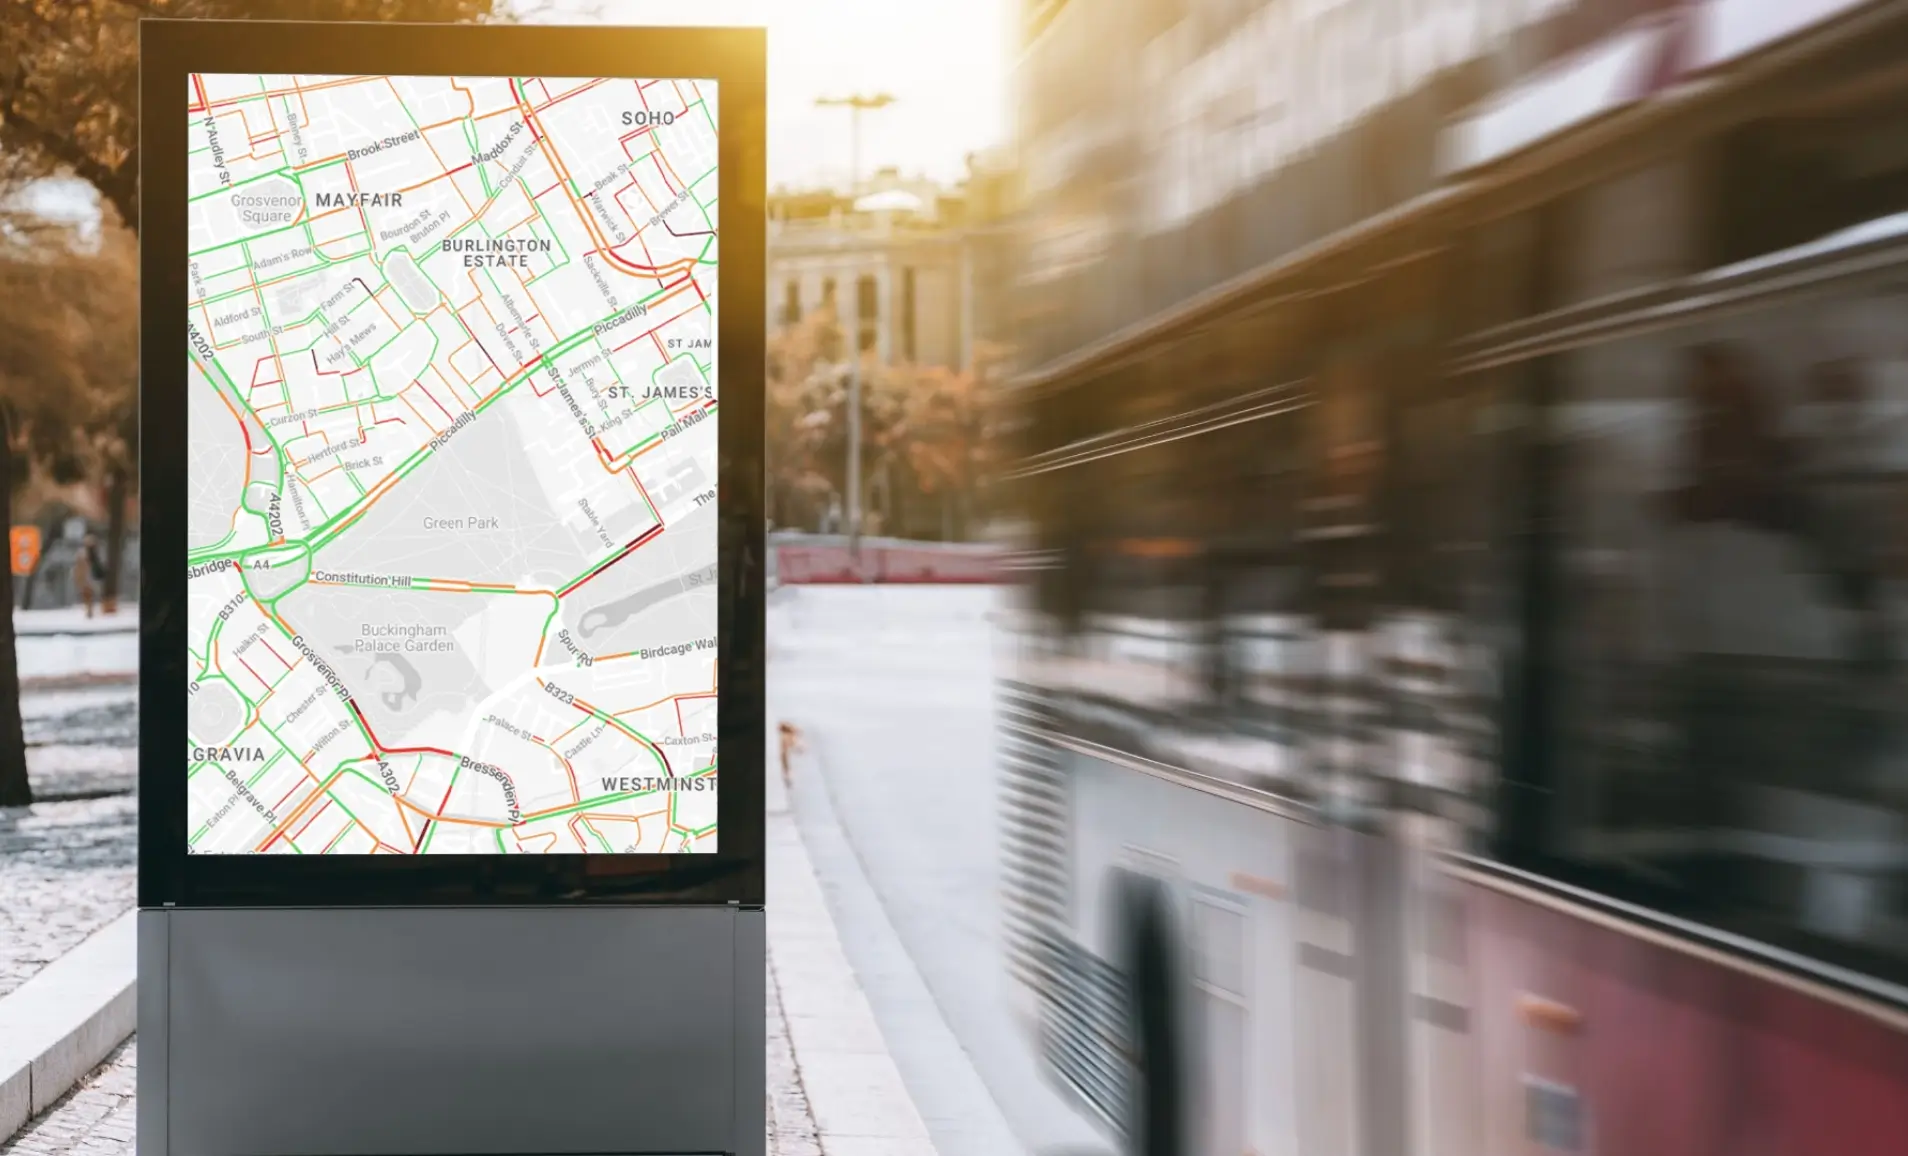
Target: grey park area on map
218,463
631,605
403,652
475,511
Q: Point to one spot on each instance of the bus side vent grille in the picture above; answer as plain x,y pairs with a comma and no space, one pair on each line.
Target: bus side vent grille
1034,836
1083,1030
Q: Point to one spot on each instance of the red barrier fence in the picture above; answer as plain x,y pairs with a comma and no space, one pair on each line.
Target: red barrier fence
817,560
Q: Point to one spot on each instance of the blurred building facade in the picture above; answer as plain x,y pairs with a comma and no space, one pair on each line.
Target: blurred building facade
912,269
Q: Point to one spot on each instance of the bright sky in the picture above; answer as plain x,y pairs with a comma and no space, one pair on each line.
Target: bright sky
945,61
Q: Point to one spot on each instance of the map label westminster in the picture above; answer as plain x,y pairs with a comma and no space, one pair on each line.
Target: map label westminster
452,529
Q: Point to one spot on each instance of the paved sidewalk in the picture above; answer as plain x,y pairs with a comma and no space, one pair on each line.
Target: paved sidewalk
63,648
94,1119
70,620
860,1104
66,870
68,864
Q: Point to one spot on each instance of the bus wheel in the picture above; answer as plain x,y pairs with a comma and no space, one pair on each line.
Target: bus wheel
1155,1108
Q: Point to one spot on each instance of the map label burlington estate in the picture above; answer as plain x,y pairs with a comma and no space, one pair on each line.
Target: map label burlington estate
453,405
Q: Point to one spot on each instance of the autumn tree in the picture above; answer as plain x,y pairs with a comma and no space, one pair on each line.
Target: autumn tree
66,380
925,449
805,418
69,74
69,100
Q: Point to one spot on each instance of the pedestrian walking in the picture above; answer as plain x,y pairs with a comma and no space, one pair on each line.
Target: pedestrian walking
89,573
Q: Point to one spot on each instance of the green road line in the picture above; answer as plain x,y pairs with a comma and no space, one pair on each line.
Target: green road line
600,801
269,764
346,768
241,267
556,606
323,534
275,173
416,321
497,831
555,238
347,810
253,237
644,740
449,789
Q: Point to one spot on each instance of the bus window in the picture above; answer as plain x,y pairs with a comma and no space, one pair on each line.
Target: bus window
1732,619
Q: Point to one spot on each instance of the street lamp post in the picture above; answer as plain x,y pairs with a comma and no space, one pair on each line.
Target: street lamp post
856,105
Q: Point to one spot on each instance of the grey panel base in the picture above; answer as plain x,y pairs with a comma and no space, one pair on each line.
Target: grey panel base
452,1032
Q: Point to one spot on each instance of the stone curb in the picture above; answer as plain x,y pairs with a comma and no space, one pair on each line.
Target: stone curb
855,1093
59,1025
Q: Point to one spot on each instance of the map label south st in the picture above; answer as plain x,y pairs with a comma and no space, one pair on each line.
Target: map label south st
452,399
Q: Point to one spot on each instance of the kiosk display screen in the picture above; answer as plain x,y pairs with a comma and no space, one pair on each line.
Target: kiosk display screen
451,516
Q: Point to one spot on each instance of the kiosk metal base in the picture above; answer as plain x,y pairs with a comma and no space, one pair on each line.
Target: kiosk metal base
452,1031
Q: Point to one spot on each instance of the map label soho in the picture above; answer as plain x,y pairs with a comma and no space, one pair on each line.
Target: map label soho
453,396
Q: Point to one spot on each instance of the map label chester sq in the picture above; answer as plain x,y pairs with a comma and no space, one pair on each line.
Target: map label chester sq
453,406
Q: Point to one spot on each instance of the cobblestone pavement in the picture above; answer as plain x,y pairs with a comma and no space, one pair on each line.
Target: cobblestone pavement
81,742
66,870
94,1119
68,864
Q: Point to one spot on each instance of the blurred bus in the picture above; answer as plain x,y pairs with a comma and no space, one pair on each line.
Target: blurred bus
1460,703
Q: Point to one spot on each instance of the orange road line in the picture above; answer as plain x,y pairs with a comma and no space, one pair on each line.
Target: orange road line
610,255
436,818
710,693
410,836
299,89
323,787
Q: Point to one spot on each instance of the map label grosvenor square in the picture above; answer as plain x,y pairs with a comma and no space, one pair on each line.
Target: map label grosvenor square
451,527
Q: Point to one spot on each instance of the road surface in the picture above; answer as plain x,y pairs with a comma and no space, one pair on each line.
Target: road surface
897,797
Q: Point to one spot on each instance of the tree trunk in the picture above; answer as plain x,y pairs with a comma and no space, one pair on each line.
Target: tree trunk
115,539
15,790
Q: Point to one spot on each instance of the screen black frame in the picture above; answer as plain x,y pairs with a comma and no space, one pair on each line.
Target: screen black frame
735,58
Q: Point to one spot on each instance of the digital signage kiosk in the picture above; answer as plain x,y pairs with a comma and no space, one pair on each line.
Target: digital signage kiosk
451,736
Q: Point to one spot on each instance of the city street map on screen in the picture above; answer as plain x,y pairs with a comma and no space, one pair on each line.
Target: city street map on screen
452,485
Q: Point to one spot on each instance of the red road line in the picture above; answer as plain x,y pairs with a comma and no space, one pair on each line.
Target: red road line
378,746
623,553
